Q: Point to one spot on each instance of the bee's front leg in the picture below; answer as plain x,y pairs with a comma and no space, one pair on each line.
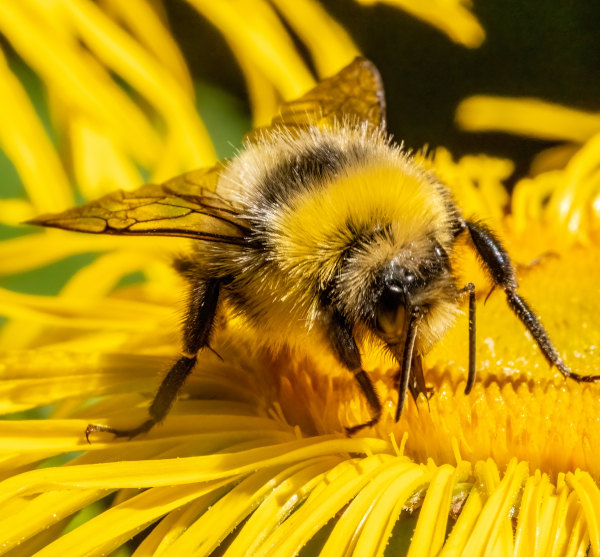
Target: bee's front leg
346,350
197,327
500,269
469,289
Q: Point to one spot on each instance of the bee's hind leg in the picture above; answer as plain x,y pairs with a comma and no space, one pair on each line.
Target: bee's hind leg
346,350
197,327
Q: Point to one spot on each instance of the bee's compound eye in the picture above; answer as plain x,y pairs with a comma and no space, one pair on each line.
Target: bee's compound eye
390,309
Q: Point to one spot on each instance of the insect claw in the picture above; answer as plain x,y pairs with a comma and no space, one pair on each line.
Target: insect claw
129,433
93,428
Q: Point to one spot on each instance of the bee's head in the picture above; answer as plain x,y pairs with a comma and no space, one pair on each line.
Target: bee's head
386,292
409,285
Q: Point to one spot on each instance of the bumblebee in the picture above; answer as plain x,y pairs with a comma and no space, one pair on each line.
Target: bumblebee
321,227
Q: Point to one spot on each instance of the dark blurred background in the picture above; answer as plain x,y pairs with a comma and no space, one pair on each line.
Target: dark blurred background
547,49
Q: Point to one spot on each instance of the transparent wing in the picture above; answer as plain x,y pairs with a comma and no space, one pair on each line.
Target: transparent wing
355,92
187,206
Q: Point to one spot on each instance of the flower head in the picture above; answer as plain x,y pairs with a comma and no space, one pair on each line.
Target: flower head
253,458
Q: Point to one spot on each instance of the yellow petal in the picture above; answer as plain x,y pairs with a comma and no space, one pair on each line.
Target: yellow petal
254,27
206,534
398,476
589,495
128,59
336,489
387,508
83,312
112,528
81,82
579,185
142,19
329,44
159,541
529,117
430,532
450,17
170,472
38,378
477,182
278,505
24,140
19,526
37,250
263,95
15,211
99,166
493,523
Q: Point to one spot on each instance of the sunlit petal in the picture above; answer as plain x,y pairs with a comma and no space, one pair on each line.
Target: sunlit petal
329,44
254,28
144,21
22,135
124,56
81,82
453,18
529,117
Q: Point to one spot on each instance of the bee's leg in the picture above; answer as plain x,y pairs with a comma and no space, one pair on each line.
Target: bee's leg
346,350
202,307
499,267
470,290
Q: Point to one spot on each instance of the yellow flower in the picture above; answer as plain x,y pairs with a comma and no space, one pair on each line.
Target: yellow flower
253,459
